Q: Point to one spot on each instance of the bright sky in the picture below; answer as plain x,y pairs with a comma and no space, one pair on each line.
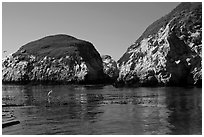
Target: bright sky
110,27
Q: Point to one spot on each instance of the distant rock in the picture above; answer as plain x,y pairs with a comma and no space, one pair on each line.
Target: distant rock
168,53
110,67
58,58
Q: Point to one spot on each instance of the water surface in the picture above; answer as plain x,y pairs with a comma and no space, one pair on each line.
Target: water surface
103,110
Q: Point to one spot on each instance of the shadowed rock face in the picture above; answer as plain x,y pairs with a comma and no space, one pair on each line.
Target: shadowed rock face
58,58
110,67
168,52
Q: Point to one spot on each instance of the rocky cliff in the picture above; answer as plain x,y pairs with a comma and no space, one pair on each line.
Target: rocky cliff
110,67
58,58
168,52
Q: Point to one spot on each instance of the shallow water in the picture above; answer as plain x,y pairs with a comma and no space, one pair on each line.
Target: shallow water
103,110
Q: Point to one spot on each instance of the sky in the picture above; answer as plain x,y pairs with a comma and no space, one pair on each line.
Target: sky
110,27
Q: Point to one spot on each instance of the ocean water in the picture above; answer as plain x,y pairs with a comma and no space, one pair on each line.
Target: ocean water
102,110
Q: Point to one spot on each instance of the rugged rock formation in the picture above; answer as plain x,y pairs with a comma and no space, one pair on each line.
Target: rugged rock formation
110,67
58,58
168,52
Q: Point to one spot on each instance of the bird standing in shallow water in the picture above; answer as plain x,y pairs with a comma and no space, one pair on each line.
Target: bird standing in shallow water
49,95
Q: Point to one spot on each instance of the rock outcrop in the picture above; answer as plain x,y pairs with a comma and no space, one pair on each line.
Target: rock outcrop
168,53
110,67
58,58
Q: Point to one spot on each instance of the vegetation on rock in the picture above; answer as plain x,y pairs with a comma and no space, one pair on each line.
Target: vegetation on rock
168,52
58,58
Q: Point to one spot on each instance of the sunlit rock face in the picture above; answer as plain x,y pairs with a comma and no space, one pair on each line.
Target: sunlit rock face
58,58
110,67
168,52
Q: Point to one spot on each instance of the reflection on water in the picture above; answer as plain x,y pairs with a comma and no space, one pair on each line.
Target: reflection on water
103,110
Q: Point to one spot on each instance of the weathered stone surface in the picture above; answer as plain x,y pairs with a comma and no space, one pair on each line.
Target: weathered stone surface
168,52
58,58
110,67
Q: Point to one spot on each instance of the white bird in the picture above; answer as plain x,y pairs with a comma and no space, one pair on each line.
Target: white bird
49,93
